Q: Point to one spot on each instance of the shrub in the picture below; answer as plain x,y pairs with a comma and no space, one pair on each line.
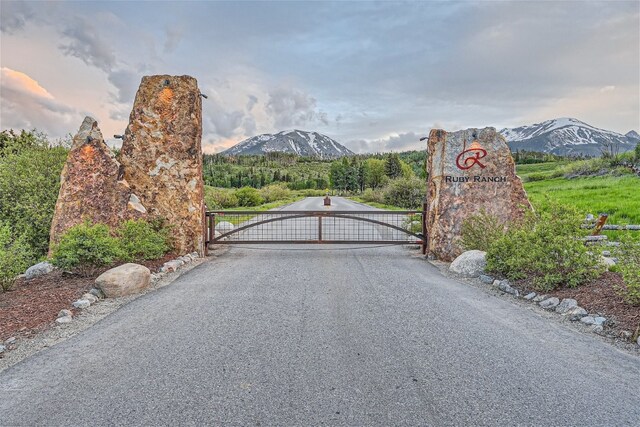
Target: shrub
375,196
629,267
248,196
312,193
545,250
142,240
15,256
406,193
480,231
84,247
219,198
274,192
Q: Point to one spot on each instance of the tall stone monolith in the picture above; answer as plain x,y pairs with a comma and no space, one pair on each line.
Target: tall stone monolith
162,155
469,171
92,186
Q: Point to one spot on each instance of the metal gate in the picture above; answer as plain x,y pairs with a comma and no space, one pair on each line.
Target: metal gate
325,227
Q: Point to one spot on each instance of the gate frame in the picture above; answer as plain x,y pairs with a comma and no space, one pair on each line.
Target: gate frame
210,224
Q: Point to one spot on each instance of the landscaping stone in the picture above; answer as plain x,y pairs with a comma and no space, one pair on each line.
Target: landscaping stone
124,280
487,280
81,303
2,349
64,319
10,341
462,169
92,186
530,296
89,297
576,313
505,286
599,320
539,298
566,305
606,253
550,303
588,320
39,269
170,266
597,329
96,293
469,263
607,262
161,155
64,312
638,340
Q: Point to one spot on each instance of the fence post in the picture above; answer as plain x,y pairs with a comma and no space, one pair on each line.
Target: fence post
424,228
320,228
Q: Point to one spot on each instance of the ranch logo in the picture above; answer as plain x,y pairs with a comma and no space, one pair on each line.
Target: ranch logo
468,158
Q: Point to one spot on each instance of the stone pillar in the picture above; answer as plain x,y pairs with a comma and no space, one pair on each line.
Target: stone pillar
162,155
469,170
92,186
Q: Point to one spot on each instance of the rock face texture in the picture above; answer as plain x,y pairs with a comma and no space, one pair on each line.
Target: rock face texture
124,280
469,171
162,156
92,186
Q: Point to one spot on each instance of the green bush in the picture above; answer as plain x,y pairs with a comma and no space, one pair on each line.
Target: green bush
142,240
546,250
275,192
15,256
629,267
248,196
312,193
219,198
406,193
85,246
376,196
479,231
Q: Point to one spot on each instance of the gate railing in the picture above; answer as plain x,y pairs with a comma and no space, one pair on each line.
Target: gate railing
329,227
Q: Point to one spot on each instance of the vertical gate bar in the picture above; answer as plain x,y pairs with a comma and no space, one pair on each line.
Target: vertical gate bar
212,226
319,228
424,228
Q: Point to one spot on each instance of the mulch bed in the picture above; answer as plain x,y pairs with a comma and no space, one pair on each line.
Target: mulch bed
602,296
33,305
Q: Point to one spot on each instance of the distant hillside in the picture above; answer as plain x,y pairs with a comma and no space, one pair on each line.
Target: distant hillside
568,137
302,143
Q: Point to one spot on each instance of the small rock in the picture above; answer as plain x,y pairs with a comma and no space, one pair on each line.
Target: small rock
638,341
626,335
550,303
599,320
90,297
588,320
487,280
539,298
606,253
64,312
607,262
194,255
597,329
505,286
39,269
2,348
470,263
96,293
530,296
81,303
10,341
64,319
185,259
576,313
566,305
170,266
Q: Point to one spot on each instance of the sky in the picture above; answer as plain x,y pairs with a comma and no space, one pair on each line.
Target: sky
375,76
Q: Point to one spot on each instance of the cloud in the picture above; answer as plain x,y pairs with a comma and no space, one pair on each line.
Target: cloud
86,44
221,121
126,83
398,142
253,100
293,107
27,105
14,16
174,34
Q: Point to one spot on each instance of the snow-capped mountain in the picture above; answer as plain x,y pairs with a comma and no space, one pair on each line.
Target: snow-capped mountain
308,144
567,136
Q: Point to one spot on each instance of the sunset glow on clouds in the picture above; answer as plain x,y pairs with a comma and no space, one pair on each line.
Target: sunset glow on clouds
374,76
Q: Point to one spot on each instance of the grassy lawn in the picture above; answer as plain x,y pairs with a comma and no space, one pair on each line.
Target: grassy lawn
377,205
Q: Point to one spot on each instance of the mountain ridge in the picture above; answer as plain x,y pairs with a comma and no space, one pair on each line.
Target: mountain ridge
294,141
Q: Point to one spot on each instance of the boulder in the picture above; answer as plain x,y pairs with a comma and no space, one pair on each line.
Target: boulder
92,186
39,269
469,263
550,303
566,305
469,171
162,155
223,227
124,280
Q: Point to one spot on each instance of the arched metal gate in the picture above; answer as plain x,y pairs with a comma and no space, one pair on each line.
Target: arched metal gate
320,227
